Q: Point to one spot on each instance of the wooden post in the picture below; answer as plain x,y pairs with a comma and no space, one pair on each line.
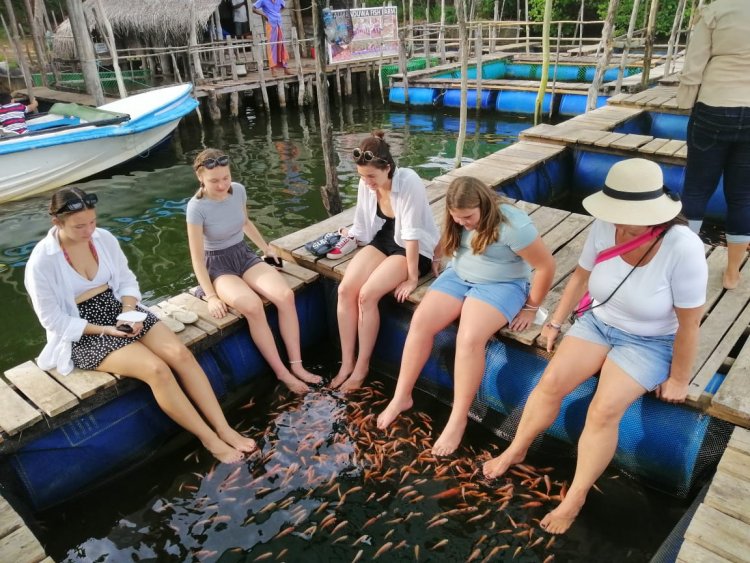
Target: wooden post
601,65
493,29
348,81
281,92
300,73
329,192
411,26
626,50
193,44
219,41
648,47
545,63
380,61
176,67
214,111
234,98
109,38
426,35
478,58
16,42
299,27
402,65
38,37
261,74
528,29
463,50
441,33
675,33
557,64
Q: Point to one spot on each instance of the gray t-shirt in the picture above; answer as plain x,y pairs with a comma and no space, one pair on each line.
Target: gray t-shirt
222,221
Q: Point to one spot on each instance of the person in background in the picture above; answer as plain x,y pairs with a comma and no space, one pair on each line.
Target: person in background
715,83
647,274
270,11
230,274
79,283
394,220
13,114
240,18
494,246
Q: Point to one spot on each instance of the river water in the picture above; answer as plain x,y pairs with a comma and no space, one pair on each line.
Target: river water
277,157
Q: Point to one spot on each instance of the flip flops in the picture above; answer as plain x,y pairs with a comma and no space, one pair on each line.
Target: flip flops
179,313
323,244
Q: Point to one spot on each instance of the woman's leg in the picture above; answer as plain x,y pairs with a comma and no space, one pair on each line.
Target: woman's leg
163,343
436,311
137,361
236,293
386,277
574,362
596,447
347,308
270,284
737,196
479,321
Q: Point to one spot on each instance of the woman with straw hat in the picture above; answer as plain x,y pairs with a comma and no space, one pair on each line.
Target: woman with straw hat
647,275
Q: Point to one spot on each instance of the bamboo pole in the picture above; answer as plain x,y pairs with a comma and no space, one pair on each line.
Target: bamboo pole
258,55
493,28
411,26
528,28
330,191
545,63
85,49
38,39
193,44
298,26
478,59
628,40
426,34
402,66
300,73
557,65
441,33
673,34
649,43
234,98
603,61
463,51
16,43
109,38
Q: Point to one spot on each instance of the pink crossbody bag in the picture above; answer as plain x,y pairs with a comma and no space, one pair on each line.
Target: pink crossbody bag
652,234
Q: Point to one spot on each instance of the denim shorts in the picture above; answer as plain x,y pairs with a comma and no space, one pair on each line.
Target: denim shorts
507,297
647,359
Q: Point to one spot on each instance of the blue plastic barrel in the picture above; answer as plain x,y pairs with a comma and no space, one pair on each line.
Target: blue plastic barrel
575,104
493,70
417,96
669,126
452,98
516,101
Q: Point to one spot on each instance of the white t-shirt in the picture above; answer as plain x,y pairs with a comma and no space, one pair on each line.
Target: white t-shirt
676,277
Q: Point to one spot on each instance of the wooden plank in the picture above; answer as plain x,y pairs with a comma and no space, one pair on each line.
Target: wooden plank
740,441
9,518
717,261
589,137
561,234
546,218
719,533
606,141
298,239
681,152
200,308
305,274
490,175
41,389
191,335
732,401
84,383
730,496
653,145
735,463
693,553
669,148
631,141
293,282
21,545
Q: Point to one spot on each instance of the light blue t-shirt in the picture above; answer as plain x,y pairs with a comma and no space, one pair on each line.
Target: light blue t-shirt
499,262
222,221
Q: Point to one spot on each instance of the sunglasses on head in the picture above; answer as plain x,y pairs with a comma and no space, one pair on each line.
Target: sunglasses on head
88,201
367,156
211,163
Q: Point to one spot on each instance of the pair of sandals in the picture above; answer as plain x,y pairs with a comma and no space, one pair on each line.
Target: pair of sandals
175,317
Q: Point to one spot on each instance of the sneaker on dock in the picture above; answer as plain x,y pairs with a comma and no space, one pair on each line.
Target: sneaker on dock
344,246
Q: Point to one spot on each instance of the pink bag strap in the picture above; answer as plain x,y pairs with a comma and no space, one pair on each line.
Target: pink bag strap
627,246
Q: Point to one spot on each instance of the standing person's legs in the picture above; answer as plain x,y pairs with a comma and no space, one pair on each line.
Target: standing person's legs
384,279
137,361
236,293
164,344
347,308
737,196
269,283
596,447
436,311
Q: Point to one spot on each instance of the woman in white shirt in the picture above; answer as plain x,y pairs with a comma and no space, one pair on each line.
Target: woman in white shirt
640,332
79,283
393,219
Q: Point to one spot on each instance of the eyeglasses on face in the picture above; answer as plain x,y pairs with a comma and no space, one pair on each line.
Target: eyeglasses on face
211,163
367,156
88,201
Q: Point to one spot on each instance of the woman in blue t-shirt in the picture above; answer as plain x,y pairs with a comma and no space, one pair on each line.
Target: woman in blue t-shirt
229,273
494,247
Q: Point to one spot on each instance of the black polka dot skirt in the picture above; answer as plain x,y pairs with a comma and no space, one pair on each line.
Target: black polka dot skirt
103,309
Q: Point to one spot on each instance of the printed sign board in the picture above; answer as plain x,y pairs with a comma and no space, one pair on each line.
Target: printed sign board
361,34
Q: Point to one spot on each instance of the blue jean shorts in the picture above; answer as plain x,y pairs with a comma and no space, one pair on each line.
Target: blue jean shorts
506,297
647,359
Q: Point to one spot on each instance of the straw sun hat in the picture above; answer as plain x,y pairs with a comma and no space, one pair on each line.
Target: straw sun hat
634,194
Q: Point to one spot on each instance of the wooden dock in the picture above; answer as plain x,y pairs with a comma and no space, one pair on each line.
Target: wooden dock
17,543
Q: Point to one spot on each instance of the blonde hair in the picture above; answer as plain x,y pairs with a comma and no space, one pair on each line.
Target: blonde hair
198,162
469,193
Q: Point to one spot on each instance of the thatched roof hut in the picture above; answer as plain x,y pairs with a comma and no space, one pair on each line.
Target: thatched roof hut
159,22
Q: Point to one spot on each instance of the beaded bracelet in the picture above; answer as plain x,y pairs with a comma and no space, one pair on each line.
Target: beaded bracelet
553,324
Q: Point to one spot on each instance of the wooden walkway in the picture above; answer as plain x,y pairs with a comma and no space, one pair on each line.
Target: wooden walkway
720,529
17,543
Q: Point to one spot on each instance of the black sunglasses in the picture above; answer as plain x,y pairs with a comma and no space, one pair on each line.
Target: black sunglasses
368,156
211,163
89,201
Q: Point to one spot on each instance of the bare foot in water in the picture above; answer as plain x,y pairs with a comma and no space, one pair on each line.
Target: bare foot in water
341,376
392,411
294,384
497,466
731,279
224,452
450,438
560,519
300,372
237,440
353,383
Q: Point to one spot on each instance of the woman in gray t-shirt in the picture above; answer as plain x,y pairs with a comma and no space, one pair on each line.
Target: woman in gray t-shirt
229,273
